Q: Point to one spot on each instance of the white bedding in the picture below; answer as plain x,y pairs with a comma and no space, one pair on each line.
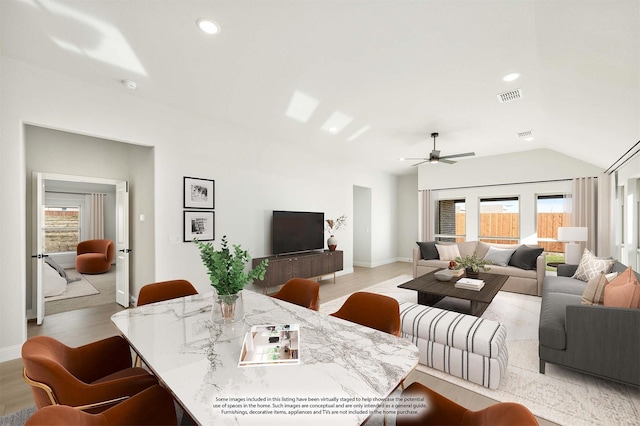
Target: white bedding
53,283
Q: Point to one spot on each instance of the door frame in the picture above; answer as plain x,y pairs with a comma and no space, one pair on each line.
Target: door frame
37,265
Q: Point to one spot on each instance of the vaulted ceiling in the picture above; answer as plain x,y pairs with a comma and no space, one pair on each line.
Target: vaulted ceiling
391,72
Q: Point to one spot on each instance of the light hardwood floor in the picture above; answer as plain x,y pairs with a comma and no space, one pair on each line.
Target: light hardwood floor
82,326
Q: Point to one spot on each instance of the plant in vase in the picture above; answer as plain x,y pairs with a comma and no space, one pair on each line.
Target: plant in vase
227,273
472,265
331,226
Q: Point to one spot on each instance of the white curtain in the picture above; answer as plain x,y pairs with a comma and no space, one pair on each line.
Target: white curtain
425,226
585,209
96,216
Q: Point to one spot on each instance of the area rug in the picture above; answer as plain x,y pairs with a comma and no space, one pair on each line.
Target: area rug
80,287
561,395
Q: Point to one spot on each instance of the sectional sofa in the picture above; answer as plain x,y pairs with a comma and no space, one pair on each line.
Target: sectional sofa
526,267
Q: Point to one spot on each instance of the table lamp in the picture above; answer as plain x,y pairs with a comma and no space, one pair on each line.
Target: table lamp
572,235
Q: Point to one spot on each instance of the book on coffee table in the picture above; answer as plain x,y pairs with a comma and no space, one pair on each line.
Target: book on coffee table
469,284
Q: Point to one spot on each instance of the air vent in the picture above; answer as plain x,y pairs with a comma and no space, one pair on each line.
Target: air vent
526,134
509,96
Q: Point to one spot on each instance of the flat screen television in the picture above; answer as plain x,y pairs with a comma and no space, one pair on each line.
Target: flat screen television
294,232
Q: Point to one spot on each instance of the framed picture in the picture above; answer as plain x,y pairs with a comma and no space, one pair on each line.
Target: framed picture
200,225
199,193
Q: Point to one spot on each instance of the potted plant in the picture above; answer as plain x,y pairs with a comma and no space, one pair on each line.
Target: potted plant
227,273
331,226
471,265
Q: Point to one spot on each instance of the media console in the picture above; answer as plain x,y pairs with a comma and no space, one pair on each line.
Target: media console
304,265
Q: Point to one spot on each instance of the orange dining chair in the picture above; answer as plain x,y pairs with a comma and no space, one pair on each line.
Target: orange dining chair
300,291
372,310
92,377
442,411
94,256
152,406
165,290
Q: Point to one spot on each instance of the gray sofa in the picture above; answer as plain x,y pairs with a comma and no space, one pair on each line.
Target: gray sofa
524,281
593,339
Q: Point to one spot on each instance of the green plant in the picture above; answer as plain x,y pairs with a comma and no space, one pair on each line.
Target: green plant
471,261
227,268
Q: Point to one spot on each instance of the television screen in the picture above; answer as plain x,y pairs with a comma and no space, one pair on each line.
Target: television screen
294,232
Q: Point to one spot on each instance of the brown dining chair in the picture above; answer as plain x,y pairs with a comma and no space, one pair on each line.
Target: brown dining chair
440,410
165,290
152,406
92,377
372,310
300,291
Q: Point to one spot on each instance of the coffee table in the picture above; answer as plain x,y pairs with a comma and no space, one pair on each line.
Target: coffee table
431,291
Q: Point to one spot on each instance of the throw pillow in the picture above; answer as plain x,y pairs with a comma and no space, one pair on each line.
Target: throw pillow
594,290
498,256
428,249
623,291
526,257
590,266
448,252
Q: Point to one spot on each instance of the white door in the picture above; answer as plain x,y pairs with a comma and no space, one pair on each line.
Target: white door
38,256
122,244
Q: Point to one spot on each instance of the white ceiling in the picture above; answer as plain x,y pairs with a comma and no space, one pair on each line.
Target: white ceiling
404,68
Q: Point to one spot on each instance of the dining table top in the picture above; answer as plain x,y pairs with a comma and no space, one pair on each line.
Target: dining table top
345,370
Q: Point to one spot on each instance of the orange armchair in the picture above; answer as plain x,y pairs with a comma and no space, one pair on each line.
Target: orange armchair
300,291
94,256
165,290
153,406
372,310
91,377
442,411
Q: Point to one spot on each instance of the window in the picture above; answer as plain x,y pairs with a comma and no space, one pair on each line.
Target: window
500,220
452,223
553,211
61,228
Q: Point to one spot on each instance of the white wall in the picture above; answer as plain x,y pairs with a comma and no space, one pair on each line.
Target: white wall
407,216
362,226
254,175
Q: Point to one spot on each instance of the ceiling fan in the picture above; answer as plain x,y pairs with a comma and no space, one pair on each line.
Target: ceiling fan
434,157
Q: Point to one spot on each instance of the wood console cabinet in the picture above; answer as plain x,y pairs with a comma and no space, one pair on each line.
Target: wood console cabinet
305,265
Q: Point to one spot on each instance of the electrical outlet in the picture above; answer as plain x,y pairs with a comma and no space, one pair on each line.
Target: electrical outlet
174,239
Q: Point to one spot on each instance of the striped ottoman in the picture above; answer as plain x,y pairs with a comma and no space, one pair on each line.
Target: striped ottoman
465,346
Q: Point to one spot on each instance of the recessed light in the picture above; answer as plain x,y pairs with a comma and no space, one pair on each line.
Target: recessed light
208,26
130,84
511,77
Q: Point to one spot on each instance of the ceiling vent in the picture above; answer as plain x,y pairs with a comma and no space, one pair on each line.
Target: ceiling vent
509,96
526,134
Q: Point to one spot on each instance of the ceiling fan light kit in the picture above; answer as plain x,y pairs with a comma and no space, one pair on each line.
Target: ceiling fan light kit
434,156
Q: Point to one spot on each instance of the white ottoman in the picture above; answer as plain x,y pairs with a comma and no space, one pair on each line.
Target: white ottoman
464,346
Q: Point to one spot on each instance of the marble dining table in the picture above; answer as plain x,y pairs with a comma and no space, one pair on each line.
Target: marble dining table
345,370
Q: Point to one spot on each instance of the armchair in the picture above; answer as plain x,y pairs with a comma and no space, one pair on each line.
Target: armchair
94,256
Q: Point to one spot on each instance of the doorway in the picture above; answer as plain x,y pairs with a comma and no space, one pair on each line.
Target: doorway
361,226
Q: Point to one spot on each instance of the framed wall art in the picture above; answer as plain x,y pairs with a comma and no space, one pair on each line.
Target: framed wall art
199,193
200,225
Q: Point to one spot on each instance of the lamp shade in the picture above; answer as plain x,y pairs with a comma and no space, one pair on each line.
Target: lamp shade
573,233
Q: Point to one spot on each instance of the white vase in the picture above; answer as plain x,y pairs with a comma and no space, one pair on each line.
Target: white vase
332,243
227,308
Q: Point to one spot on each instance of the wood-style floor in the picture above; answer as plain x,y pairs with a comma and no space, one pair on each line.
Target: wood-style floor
75,328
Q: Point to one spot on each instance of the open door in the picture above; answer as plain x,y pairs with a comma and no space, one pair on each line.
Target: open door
37,258
122,244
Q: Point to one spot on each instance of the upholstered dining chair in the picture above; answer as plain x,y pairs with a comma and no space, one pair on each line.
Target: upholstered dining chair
152,406
94,256
165,290
442,411
92,377
372,310
301,291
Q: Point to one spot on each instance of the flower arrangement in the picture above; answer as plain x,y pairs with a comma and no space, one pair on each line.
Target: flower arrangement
472,262
331,225
226,267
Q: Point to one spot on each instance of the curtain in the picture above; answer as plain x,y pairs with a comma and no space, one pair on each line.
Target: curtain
96,217
425,227
606,203
585,207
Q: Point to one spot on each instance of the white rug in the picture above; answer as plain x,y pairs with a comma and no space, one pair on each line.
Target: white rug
79,288
561,395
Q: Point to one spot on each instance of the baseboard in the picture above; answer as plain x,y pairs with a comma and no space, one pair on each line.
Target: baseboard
383,262
10,353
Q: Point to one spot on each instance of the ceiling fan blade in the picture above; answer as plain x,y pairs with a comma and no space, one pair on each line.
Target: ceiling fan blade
422,162
414,158
466,154
447,161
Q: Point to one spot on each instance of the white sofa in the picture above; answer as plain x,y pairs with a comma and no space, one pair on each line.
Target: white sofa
520,280
472,348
